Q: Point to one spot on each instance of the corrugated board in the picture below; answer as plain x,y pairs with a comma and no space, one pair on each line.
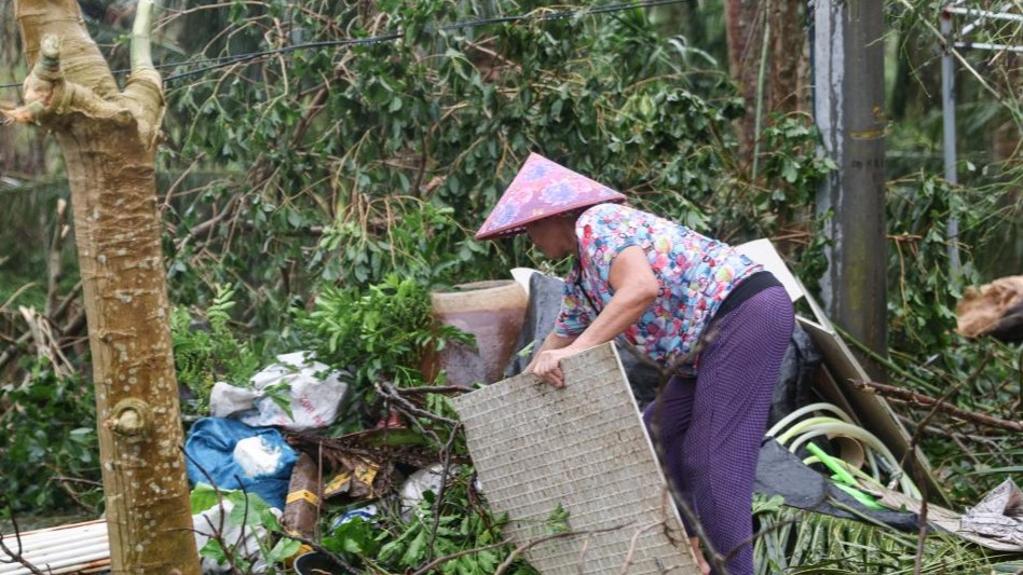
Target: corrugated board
76,548
583,447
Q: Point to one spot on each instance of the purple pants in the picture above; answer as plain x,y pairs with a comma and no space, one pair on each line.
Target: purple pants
709,429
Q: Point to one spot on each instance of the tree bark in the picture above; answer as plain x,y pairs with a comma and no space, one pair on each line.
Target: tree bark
747,22
788,39
744,30
108,140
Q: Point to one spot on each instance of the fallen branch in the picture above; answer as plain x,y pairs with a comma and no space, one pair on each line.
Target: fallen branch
632,547
922,400
441,560
437,389
390,392
442,489
13,351
17,556
217,533
568,534
16,349
15,295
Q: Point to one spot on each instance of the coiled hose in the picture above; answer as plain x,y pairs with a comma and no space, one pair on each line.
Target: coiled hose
841,426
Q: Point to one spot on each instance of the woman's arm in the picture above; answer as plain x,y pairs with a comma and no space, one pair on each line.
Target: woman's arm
553,341
635,288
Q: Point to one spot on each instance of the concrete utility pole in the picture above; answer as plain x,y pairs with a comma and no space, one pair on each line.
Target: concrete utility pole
848,73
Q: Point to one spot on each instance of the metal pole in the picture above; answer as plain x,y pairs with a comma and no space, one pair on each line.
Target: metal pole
988,46
848,72
948,110
985,14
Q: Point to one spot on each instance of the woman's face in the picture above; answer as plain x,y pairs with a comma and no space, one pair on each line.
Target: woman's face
555,237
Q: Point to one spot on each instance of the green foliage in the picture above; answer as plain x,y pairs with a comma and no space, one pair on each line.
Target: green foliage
355,538
248,511
382,332
923,294
557,522
384,164
206,354
47,433
422,241
463,524
796,541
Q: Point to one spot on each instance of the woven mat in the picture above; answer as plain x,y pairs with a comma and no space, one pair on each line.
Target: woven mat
583,447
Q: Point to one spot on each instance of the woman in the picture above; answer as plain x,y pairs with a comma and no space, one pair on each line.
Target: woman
712,317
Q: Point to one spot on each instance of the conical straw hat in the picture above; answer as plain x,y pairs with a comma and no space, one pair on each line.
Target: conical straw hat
540,190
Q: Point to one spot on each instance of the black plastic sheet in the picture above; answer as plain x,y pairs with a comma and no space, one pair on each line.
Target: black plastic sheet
782,473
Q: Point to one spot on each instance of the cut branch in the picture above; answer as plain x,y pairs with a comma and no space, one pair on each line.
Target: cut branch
922,400
55,266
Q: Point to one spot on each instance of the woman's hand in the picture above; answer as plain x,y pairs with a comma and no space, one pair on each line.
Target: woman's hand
547,365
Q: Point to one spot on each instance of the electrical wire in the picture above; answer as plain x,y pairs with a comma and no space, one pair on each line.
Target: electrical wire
248,57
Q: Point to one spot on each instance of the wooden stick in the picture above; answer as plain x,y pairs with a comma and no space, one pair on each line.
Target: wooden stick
928,401
55,259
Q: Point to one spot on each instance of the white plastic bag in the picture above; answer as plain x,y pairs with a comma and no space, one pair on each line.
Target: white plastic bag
314,391
207,523
426,479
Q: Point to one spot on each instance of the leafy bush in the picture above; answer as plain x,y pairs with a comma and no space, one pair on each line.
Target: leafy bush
205,354
48,443
381,332
464,523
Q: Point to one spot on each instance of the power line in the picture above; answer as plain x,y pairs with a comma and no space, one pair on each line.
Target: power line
233,59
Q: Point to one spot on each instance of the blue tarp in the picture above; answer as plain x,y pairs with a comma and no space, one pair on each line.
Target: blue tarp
211,444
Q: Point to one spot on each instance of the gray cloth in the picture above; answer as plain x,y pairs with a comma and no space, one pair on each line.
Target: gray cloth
999,515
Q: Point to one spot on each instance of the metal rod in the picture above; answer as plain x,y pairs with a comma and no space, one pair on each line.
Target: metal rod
948,113
991,47
985,13
970,27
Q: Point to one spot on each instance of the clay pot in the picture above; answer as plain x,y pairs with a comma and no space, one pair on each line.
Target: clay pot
493,311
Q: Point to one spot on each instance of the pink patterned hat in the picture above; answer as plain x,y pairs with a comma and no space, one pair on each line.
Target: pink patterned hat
540,190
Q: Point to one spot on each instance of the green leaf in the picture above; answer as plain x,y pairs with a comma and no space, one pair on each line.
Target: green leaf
790,171
416,551
256,507
213,550
557,521
270,521
280,394
284,549
202,498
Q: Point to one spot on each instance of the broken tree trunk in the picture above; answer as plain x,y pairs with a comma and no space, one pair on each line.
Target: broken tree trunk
765,52
108,137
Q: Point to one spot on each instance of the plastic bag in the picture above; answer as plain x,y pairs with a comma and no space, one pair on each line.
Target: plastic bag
207,523
237,456
313,392
426,479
